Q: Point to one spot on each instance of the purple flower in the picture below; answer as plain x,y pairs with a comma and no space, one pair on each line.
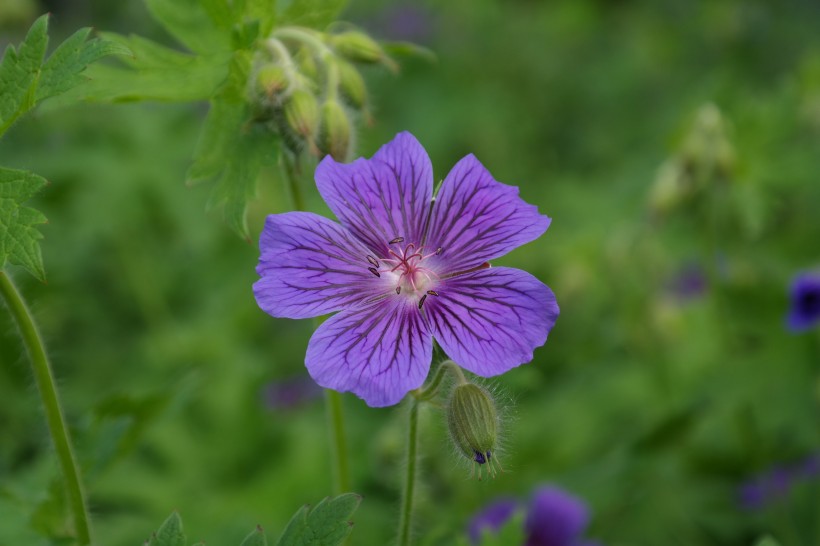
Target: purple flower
554,518
492,517
805,302
775,484
402,269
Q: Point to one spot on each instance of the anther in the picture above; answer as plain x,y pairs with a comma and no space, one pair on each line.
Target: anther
432,292
439,250
372,260
398,290
421,301
396,240
374,271
479,457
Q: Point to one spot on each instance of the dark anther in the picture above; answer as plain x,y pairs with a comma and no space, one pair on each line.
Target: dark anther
374,271
421,301
398,290
439,250
432,292
488,456
373,260
479,458
397,240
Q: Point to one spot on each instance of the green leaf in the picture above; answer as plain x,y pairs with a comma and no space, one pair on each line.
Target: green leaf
767,541
65,66
19,71
256,538
409,49
196,24
310,13
232,149
154,72
170,533
326,525
263,11
18,236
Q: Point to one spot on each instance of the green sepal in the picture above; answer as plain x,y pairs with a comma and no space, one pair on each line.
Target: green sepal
326,525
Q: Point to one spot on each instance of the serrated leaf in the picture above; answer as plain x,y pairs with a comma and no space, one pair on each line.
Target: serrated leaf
18,236
232,149
256,538
170,532
310,13
326,525
154,72
19,70
201,30
63,69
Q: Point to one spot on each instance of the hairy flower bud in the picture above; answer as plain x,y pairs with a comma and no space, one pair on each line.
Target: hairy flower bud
270,80
302,113
473,422
357,46
334,130
351,85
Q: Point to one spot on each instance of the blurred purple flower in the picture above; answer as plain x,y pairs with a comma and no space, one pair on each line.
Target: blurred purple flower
776,483
492,517
689,282
403,21
805,302
554,518
402,269
290,393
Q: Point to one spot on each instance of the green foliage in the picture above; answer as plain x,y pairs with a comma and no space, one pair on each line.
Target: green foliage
767,541
309,13
256,538
18,236
169,533
26,80
325,525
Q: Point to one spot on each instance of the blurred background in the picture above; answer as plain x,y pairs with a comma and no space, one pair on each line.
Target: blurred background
675,146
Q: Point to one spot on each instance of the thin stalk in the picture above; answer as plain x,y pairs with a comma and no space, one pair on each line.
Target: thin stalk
333,400
51,403
406,516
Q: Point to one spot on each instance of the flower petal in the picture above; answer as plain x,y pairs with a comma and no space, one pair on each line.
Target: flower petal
310,266
476,219
381,198
379,352
491,320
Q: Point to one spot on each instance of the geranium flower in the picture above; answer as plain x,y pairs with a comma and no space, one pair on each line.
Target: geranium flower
805,302
403,268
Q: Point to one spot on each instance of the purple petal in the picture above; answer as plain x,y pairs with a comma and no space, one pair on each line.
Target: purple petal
492,517
381,198
476,219
555,518
805,302
491,320
310,266
379,352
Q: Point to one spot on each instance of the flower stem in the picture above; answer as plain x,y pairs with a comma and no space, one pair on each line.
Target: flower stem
410,483
333,400
51,404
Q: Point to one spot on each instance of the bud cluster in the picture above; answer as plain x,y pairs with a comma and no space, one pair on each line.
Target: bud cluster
306,86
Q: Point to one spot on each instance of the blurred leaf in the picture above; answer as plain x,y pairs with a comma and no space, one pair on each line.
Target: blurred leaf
256,538
49,518
64,67
310,13
154,72
409,49
232,149
18,238
326,525
767,541
18,72
512,532
197,25
170,533
262,10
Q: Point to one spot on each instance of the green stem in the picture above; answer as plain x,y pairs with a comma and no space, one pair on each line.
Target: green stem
51,403
410,483
333,400
429,390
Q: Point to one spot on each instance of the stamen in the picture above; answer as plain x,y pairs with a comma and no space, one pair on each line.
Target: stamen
398,290
421,301
373,260
432,292
374,271
396,240
479,457
439,250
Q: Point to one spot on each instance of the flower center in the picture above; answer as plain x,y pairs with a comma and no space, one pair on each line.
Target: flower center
405,265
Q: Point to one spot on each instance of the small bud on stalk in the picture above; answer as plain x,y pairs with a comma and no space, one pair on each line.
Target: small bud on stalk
334,130
270,80
473,422
357,46
351,85
302,113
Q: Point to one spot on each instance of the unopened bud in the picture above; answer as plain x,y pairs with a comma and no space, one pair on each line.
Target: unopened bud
302,113
351,85
473,422
334,130
270,80
307,64
357,46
